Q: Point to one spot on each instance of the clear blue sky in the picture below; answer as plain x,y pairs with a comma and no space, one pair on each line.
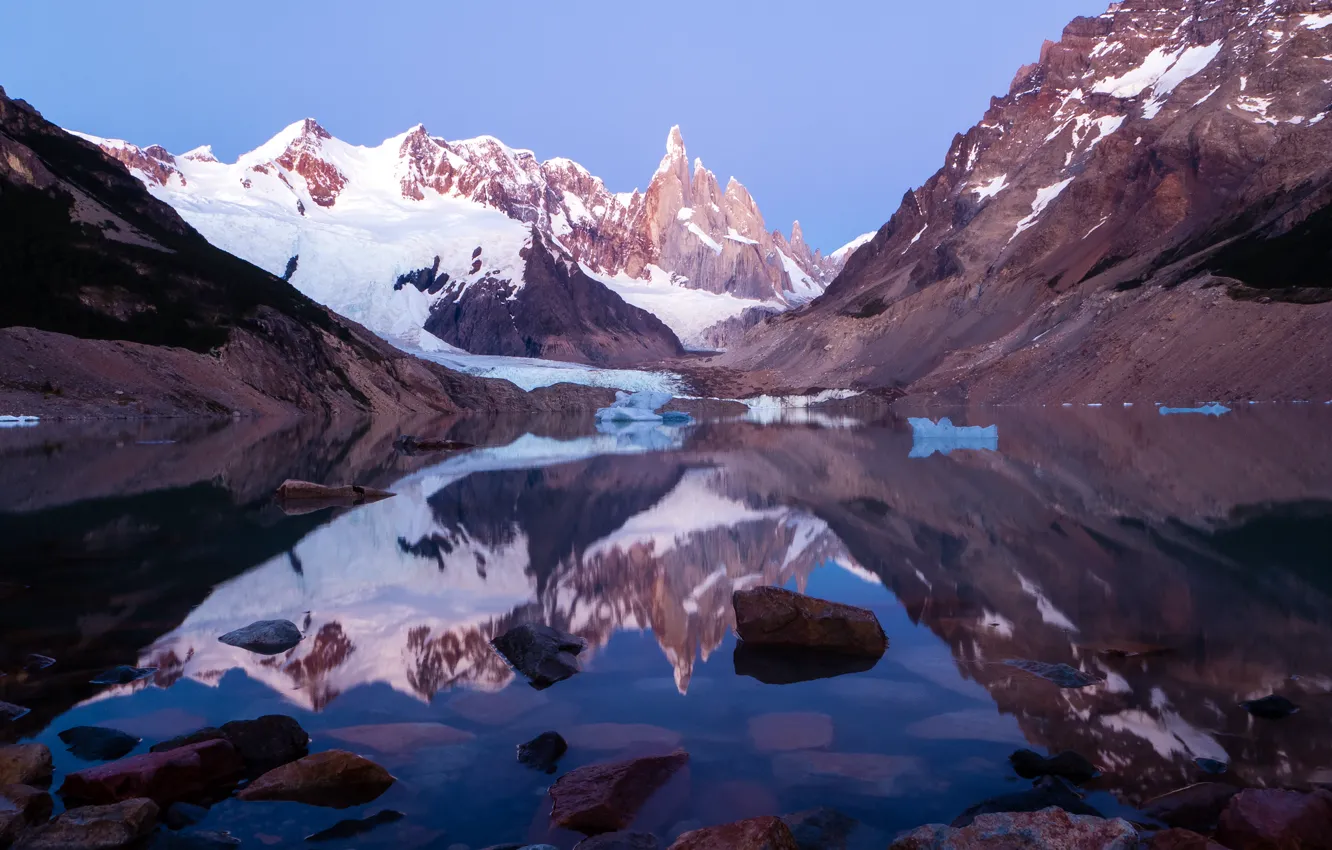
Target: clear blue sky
827,111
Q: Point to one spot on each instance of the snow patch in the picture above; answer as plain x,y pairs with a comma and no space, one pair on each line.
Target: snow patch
1044,197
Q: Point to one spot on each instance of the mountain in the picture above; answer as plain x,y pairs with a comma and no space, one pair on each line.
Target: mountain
1146,214
461,238
112,301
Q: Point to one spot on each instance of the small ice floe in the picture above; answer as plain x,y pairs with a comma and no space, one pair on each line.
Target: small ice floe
1094,404
1212,409
1128,404
20,421
641,407
928,437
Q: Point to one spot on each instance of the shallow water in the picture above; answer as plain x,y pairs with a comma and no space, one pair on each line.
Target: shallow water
1206,537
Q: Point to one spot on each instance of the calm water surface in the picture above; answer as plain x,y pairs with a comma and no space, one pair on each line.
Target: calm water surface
1086,529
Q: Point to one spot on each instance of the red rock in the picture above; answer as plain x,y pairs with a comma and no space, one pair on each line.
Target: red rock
25,764
795,730
621,736
96,827
765,833
775,616
335,778
1181,839
399,738
163,777
605,797
1048,829
1271,819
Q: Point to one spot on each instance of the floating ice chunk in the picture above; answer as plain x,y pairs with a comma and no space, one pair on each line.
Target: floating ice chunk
1212,409
1128,404
20,421
640,407
928,437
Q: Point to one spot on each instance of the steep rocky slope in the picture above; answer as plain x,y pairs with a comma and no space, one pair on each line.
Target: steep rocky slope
111,301
1144,215
397,234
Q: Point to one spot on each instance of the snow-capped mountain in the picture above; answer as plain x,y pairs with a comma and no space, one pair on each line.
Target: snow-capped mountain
423,233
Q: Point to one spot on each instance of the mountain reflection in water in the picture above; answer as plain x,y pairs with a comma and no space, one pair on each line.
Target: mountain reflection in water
1183,560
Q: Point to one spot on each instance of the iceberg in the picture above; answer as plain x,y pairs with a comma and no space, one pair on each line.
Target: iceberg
20,421
1212,409
928,437
641,407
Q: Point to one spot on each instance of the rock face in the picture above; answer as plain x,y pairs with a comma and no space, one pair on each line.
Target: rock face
605,797
166,777
1153,186
96,827
1049,829
1271,819
335,778
25,764
543,654
765,833
778,617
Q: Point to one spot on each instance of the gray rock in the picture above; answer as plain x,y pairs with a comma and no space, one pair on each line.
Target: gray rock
123,675
265,637
543,654
95,827
25,764
98,743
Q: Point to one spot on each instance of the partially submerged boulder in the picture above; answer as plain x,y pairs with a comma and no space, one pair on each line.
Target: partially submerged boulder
1068,764
605,797
1272,819
165,778
543,654
108,827
25,764
762,833
1047,829
335,778
265,637
778,617
98,743
299,497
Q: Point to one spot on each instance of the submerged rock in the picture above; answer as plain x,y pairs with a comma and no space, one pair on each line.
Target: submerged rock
165,778
181,815
123,675
1068,764
265,637
267,741
543,654
352,828
98,743
335,778
1047,829
762,833
196,839
1049,792
787,665
1272,707
543,751
1212,766
95,827
25,764
407,444
1197,807
774,616
605,797
34,663
1061,674
10,712
1271,819
641,407
821,829
619,841
300,497
1181,839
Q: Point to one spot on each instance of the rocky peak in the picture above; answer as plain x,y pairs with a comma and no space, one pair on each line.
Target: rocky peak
303,155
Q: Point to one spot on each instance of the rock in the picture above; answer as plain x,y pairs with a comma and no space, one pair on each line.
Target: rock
400,738
265,637
773,616
1049,792
25,764
1271,819
765,833
208,733
820,829
605,797
335,778
1212,766
10,712
34,662
1046,829
619,841
407,444
543,751
1181,839
165,778
181,815
267,741
1061,674
353,828
874,774
796,730
543,654
198,839
300,497
95,827
1272,707
787,665
1068,764
21,808
123,675
98,743
1197,807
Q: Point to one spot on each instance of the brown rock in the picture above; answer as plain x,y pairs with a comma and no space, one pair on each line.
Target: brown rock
335,778
765,833
1197,807
95,827
1048,829
772,615
25,764
1271,819
795,730
398,738
605,797
162,777
1181,839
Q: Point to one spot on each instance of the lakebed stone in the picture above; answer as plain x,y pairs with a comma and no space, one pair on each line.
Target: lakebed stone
1046,829
775,616
1068,764
265,637
820,829
21,808
108,827
605,797
1061,674
98,743
1197,807
122,675
1181,839
543,654
165,777
25,764
762,833
543,751
1049,792
1272,819
334,778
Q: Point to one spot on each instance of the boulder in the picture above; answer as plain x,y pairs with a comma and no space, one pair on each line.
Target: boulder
1047,829
107,827
1272,819
165,778
543,654
820,829
619,841
10,712
123,675
1068,764
1181,839
543,751
267,741
265,637
764,833
358,826
21,808
25,764
1049,792
98,743
605,797
181,815
774,616
1197,807
787,665
299,497
1271,707
335,778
